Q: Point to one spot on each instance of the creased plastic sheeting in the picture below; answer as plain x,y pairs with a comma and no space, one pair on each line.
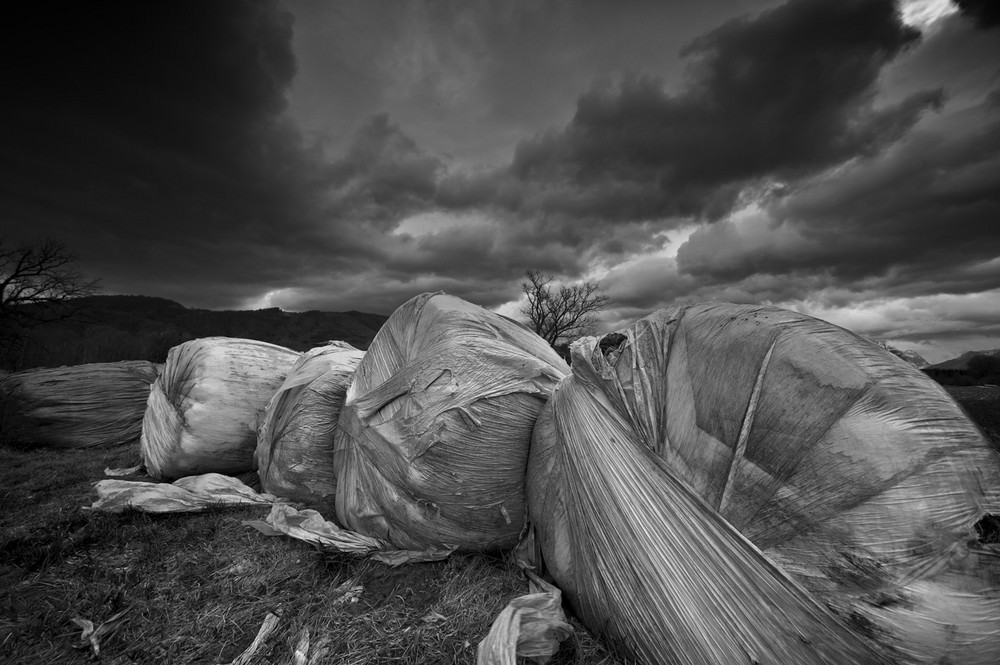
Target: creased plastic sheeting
648,566
531,626
295,440
852,470
203,410
186,495
433,439
311,527
79,406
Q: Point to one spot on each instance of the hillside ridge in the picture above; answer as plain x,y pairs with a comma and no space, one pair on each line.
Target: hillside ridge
108,328
961,362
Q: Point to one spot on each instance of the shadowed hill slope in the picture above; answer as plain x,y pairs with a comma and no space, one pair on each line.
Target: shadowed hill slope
961,363
111,328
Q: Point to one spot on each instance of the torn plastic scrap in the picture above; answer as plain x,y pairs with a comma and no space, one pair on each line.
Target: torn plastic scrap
190,494
91,636
531,626
266,628
310,526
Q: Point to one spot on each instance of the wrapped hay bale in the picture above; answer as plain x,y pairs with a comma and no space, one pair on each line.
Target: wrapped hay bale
203,409
79,406
433,439
295,441
696,451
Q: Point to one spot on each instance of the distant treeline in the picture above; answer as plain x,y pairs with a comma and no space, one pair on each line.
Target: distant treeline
112,328
981,369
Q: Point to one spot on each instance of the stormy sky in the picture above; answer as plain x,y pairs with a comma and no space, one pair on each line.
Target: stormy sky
836,157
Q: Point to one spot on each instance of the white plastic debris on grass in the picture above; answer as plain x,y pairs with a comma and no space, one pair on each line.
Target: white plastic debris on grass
433,439
531,626
294,455
305,651
197,493
249,654
310,526
720,483
393,557
191,494
310,651
121,472
91,635
203,410
79,406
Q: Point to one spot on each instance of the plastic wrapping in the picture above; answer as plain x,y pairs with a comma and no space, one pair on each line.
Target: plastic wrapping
187,495
433,439
294,455
532,626
311,527
716,480
203,410
79,406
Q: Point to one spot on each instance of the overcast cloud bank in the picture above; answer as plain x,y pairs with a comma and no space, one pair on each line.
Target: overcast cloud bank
819,154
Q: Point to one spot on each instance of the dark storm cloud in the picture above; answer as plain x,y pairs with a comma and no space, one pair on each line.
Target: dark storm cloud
470,78
179,78
485,250
378,292
985,13
153,127
155,139
151,138
881,219
783,96
780,95
384,175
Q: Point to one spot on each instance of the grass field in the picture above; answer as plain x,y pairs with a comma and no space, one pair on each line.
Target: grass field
195,588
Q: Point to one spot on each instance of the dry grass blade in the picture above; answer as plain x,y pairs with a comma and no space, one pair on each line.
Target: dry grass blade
266,628
301,652
91,637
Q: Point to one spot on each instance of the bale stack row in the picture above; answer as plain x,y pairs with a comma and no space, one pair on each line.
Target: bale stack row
712,484
205,407
720,483
96,405
294,455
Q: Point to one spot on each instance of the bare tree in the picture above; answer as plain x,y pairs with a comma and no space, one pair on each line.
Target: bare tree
560,313
38,283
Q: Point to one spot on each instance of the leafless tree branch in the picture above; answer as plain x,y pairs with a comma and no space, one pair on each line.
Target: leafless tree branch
38,283
561,313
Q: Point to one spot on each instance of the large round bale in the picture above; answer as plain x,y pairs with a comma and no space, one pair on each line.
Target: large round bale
433,439
295,441
79,406
700,452
203,410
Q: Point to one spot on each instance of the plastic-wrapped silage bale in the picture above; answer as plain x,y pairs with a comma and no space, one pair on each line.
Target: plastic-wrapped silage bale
433,439
203,410
695,449
76,406
295,440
